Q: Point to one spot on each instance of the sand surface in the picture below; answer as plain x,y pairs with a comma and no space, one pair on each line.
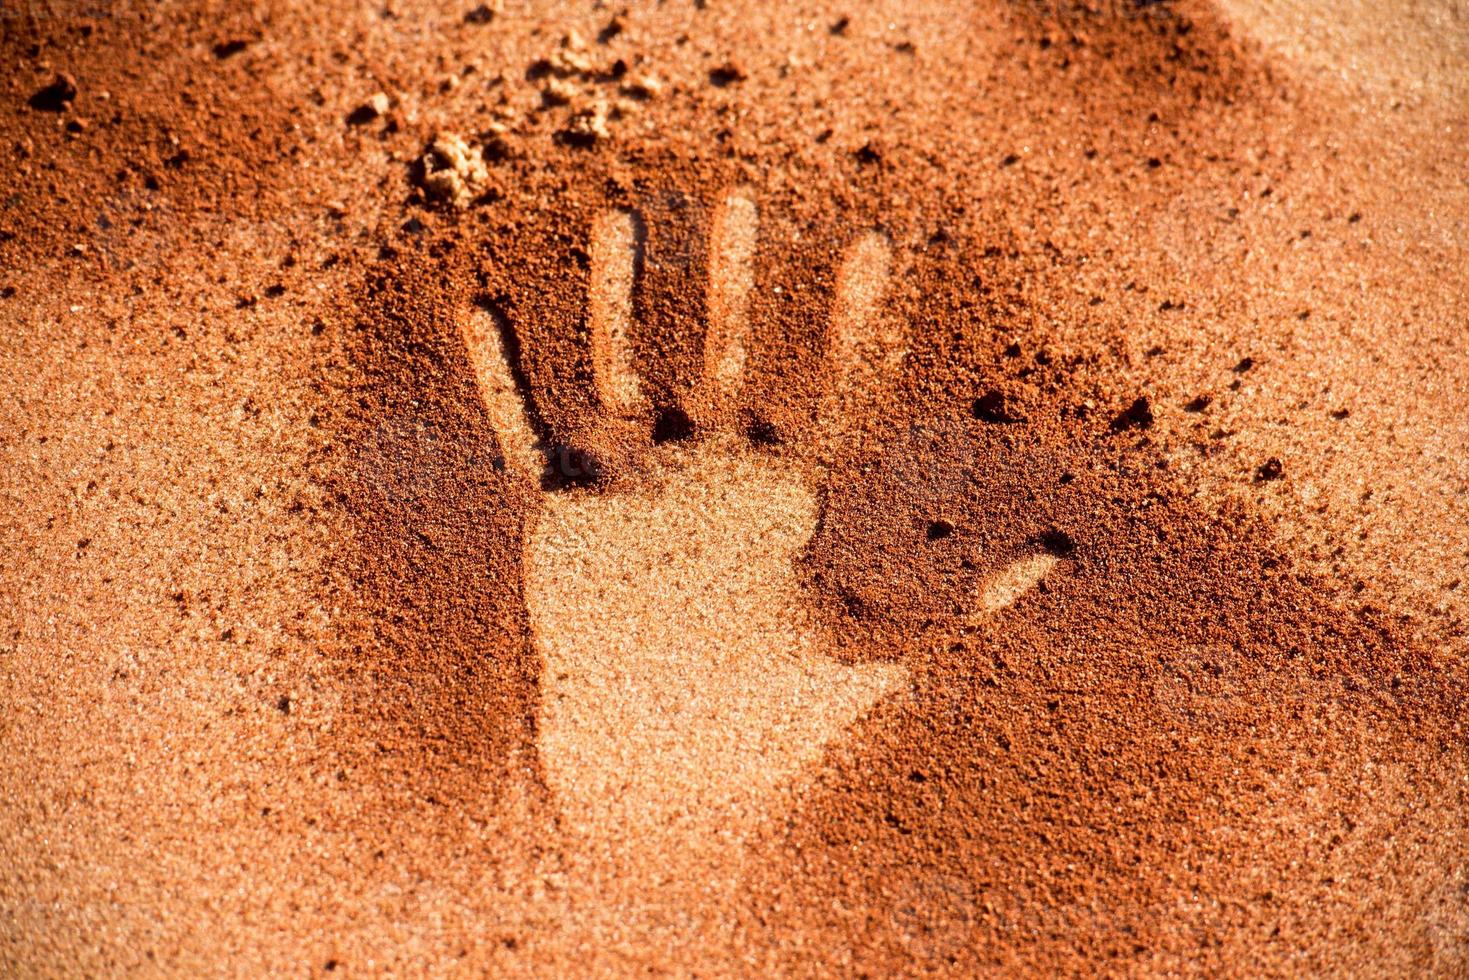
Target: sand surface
734,488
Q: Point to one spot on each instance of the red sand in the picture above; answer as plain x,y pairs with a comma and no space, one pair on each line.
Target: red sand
1126,471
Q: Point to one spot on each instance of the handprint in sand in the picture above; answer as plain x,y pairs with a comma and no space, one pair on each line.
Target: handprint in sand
683,680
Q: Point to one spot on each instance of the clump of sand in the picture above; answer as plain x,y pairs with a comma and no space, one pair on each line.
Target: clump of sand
454,170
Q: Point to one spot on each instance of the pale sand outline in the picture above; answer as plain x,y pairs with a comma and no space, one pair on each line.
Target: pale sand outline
583,531
616,245
861,349
1005,588
731,281
487,339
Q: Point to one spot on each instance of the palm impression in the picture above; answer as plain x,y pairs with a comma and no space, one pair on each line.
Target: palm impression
682,680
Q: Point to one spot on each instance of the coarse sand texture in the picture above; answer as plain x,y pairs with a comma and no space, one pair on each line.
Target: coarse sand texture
545,488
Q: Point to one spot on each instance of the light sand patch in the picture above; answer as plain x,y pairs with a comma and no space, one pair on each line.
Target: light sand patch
487,340
863,349
616,243
1007,586
663,728
731,278
1415,49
